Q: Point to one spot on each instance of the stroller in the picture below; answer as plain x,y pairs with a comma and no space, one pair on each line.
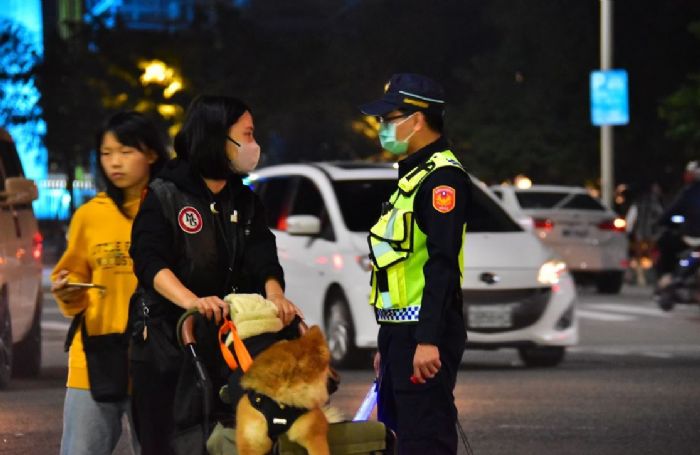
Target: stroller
209,389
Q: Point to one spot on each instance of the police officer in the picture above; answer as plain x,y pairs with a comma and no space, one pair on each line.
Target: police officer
417,258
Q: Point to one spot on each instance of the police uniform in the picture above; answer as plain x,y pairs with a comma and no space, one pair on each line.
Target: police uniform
417,257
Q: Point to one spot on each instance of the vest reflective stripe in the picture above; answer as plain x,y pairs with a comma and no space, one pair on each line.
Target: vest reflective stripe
408,314
398,248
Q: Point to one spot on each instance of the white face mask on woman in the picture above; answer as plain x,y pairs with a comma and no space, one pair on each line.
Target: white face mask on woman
247,157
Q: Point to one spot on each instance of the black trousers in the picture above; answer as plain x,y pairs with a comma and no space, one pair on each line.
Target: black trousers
152,398
422,415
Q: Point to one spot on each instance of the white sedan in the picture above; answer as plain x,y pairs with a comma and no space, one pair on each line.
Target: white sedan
516,292
589,237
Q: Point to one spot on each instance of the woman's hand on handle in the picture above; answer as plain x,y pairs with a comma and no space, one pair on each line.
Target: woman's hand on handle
211,306
286,310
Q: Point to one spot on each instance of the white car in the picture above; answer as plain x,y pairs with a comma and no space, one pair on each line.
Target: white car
516,293
589,237
20,269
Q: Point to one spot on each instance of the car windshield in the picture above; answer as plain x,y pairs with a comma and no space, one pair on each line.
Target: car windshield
557,200
361,201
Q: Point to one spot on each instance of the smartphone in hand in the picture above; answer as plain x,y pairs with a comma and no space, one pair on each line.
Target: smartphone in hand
85,285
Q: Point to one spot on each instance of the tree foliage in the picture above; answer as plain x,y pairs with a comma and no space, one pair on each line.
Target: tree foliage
18,58
515,74
681,110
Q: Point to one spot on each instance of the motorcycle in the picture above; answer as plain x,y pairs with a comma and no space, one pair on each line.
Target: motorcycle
684,283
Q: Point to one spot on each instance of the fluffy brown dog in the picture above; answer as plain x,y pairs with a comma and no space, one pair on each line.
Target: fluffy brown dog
293,374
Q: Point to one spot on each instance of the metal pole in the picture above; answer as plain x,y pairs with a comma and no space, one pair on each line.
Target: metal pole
607,176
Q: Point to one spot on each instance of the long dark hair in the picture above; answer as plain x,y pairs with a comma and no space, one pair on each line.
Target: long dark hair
202,139
132,129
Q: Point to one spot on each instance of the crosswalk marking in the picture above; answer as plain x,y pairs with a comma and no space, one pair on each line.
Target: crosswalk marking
51,311
55,325
600,316
658,355
621,308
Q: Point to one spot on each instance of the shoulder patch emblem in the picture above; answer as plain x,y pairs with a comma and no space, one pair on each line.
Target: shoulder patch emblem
190,220
444,198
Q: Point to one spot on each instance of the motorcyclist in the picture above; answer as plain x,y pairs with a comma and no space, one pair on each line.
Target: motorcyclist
682,218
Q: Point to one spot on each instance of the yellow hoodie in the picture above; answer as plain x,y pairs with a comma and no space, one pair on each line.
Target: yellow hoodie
98,252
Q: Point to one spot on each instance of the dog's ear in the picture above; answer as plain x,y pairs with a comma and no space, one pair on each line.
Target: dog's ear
314,342
315,333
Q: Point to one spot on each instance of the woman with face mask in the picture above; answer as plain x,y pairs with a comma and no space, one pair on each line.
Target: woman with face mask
200,235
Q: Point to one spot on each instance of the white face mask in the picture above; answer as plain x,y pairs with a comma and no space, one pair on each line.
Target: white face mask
247,157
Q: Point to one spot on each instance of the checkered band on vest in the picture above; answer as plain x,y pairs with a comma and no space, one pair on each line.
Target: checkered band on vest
401,315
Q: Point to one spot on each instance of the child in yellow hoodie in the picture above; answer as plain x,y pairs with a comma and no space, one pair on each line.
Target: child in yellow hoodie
131,152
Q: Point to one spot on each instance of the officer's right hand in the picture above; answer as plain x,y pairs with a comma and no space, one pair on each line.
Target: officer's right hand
426,363
377,363
63,292
211,306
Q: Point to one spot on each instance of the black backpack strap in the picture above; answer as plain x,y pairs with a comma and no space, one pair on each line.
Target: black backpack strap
74,324
165,192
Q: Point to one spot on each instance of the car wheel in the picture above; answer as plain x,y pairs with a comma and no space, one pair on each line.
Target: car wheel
340,332
27,353
5,343
610,282
542,356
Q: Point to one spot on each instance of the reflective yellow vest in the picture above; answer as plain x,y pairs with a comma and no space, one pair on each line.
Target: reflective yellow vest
398,248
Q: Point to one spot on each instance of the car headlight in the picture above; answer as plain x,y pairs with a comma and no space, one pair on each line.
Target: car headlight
551,271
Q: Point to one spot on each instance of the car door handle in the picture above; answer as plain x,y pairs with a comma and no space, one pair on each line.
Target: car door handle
18,229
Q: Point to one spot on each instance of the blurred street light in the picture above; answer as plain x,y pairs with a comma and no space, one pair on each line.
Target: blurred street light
522,182
174,87
368,127
158,72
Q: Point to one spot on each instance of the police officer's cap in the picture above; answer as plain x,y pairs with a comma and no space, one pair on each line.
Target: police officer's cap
408,92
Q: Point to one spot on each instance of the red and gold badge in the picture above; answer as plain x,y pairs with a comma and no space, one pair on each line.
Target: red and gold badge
444,198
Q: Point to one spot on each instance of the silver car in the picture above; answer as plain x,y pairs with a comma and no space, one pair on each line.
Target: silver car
588,236
20,269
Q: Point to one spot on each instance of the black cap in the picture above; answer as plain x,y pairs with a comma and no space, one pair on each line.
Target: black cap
407,91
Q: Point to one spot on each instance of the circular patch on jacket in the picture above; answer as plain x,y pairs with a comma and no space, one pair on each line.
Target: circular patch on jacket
189,220
443,198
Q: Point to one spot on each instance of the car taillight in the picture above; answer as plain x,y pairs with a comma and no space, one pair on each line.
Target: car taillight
37,245
543,223
616,225
365,263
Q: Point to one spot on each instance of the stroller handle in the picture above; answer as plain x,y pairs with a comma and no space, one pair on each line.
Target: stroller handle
187,331
185,328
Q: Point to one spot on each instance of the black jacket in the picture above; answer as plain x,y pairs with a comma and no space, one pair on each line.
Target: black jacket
157,243
441,302
686,204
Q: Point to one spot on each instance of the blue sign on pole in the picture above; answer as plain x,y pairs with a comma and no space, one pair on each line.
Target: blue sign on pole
609,99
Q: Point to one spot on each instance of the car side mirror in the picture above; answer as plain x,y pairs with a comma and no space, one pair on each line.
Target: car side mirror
19,190
526,222
303,225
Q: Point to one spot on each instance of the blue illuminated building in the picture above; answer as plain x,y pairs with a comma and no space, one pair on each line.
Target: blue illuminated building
20,112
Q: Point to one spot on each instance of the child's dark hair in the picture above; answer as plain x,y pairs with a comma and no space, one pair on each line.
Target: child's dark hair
133,129
202,139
